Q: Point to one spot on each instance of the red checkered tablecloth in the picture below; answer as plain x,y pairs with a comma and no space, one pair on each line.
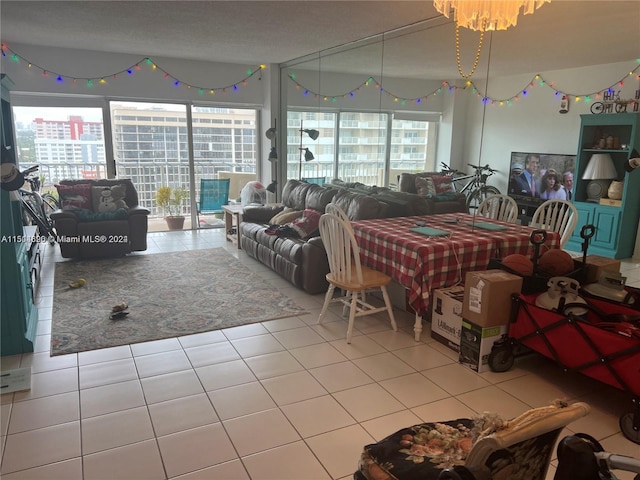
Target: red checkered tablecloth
421,263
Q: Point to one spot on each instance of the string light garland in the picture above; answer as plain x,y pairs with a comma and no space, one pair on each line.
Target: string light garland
102,79
470,85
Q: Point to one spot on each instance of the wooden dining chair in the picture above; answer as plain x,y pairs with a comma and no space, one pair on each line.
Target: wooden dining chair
557,216
499,207
347,273
334,209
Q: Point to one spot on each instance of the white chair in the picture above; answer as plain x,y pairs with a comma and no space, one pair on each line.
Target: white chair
347,273
499,207
334,209
557,216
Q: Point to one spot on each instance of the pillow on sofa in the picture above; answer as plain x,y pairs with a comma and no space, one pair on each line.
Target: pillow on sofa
108,199
425,187
74,197
307,224
288,215
442,183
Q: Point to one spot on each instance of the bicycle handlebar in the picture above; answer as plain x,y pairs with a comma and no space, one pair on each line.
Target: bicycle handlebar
483,167
31,170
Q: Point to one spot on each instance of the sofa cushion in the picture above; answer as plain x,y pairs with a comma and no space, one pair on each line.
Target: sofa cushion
425,186
74,197
288,215
442,183
108,198
318,197
294,194
358,206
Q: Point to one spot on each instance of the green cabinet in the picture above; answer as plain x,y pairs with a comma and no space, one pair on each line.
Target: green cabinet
18,314
616,221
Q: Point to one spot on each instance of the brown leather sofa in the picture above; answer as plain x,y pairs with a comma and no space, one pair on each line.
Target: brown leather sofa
304,262
451,202
80,236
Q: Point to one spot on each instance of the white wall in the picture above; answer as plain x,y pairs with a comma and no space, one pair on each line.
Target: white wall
533,123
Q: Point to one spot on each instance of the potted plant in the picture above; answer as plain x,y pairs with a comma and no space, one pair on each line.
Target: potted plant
171,201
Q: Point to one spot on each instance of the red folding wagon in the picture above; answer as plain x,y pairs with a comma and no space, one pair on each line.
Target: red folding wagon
603,346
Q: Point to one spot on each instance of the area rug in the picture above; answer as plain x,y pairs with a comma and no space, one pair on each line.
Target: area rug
168,295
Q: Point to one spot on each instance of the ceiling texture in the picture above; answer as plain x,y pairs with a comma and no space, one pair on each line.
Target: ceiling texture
418,41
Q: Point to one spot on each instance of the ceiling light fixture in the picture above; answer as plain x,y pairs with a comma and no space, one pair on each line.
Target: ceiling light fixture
483,15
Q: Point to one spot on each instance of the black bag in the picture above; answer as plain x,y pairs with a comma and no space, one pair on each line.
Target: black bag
576,459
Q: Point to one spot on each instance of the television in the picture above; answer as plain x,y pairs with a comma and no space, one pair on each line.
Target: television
522,193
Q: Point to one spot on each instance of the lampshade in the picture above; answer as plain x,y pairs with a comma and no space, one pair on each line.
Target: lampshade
308,156
272,187
313,134
273,154
487,14
271,133
600,167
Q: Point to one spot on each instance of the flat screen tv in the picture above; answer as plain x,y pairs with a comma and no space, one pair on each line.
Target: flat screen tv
529,196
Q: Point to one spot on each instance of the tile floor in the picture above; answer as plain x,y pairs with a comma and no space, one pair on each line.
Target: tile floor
285,399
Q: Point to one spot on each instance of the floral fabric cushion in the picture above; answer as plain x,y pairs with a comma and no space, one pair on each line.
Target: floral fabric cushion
74,197
425,187
286,216
442,183
108,199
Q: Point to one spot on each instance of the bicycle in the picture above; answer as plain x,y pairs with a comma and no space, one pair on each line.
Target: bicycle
37,208
476,188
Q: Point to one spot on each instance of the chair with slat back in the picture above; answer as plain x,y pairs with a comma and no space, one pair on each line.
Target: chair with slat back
349,275
214,193
557,216
499,207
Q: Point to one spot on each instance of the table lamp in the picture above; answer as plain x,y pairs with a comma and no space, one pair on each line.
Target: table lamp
600,170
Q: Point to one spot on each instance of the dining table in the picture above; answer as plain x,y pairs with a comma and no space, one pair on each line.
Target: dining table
422,253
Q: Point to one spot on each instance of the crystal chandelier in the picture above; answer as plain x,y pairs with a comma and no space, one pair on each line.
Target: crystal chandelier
486,14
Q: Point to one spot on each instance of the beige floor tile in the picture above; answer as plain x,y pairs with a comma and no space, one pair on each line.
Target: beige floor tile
67,470
289,462
105,373
383,366
116,430
211,353
493,399
171,385
182,414
442,410
340,376
195,449
298,337
233,470
393,340
368,401
104,355
50,383
241,400
41,447
455,378
339,450
381,427
43,362
5,412
156,346
422,357
161,363
111,398
257,345
273,365
199,339
319,355
360,346
137,461
413,389
293,387
225,374
242,431
283,323
327,414
44,412
536,390
245,331
333,328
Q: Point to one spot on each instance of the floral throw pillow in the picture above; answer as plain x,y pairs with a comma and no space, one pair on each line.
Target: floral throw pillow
75,197
288,215
425,187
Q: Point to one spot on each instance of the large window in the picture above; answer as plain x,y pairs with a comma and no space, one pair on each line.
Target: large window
365,147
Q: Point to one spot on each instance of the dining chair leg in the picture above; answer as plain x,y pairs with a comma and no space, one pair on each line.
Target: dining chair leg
345,305
327,300
352,315
387,302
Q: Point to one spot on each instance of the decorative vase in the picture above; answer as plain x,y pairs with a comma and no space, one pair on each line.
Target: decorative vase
175,223
615,190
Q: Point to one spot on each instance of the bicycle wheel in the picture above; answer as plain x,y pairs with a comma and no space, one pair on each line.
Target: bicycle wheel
36,215
478,195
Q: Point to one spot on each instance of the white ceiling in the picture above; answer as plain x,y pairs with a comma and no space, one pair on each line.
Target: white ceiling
562,34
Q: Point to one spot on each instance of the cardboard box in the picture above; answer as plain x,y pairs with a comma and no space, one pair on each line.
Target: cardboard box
610,202
476,343
487,296
446,319
597,264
